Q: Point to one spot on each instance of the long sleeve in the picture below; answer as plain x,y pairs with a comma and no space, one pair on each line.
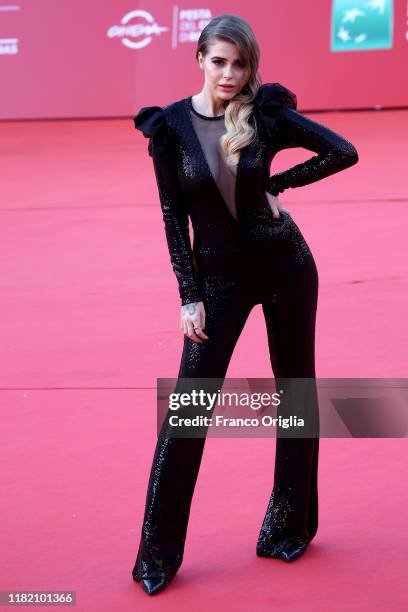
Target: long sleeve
152,122
334,153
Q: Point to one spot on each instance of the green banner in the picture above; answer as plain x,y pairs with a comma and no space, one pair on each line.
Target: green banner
361,25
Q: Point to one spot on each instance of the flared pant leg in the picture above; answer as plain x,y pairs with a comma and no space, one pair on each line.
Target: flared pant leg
177,460
290,316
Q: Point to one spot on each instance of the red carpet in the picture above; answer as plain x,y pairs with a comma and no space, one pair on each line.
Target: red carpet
90,319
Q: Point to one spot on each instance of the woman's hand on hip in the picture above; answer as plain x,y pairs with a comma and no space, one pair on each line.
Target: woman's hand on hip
275,205
192,321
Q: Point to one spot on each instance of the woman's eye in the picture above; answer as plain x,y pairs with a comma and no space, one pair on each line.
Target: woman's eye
239,64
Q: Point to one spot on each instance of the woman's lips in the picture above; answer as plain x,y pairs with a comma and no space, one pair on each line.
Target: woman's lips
227,86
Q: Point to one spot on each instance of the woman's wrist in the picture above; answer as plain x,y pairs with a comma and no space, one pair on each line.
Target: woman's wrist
273,187
192,297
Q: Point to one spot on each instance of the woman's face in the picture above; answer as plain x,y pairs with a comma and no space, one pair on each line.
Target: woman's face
222,66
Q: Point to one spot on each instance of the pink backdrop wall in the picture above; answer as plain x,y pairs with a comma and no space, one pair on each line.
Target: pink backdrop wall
92,59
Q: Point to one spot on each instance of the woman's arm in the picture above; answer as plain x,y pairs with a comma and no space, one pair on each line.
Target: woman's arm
335,153
152,122
175,219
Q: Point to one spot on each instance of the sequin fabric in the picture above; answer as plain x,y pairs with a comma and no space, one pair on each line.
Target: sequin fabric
188,190
287,291
233,265
334,152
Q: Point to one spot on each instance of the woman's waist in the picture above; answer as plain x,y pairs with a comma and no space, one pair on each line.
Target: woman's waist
249,234
248,248
234,262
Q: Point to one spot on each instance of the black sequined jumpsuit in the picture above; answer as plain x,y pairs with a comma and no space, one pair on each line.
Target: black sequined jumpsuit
241,256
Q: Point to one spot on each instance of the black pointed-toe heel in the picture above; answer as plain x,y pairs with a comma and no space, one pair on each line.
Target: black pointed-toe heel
153,585
287,548
293,550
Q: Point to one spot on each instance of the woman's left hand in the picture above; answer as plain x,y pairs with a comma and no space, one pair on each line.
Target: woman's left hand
275,205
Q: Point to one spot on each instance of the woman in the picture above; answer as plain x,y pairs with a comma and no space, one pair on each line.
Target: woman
211,154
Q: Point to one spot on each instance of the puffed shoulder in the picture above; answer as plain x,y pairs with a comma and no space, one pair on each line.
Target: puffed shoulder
271,96
269,100
151,121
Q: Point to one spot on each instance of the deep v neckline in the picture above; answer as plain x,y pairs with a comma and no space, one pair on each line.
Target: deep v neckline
189,105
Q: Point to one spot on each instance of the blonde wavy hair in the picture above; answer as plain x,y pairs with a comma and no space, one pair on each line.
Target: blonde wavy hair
236,30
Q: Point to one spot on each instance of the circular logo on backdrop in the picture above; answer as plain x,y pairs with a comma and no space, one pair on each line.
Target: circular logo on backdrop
136,29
